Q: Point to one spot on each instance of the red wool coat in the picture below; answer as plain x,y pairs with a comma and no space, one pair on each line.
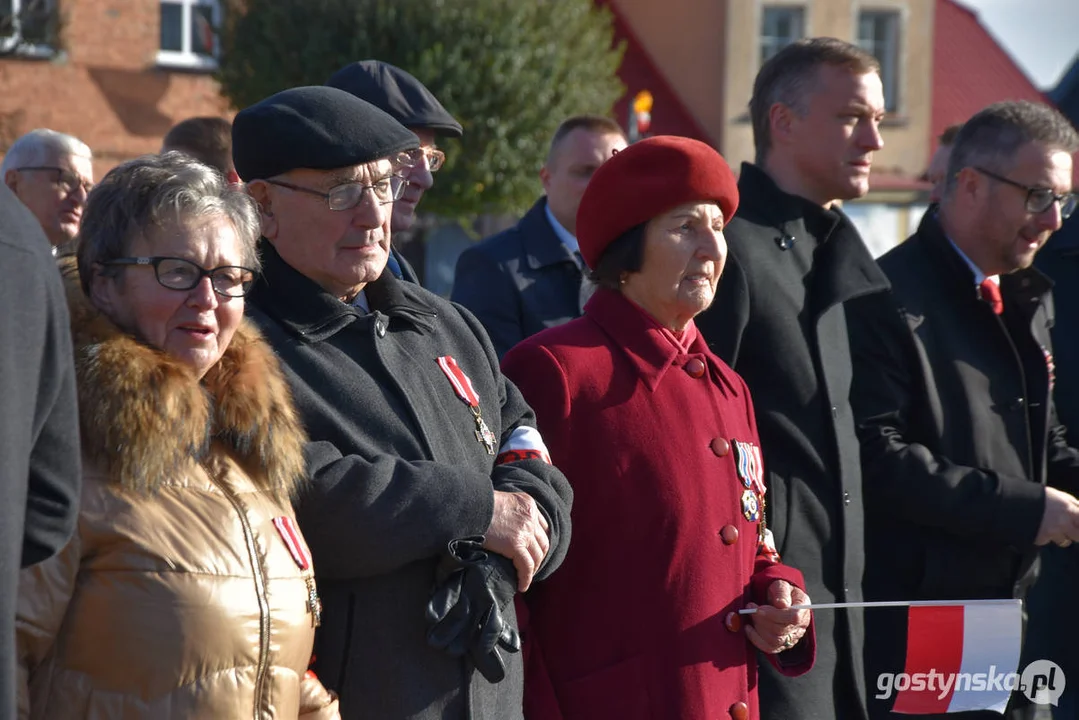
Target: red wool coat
632,626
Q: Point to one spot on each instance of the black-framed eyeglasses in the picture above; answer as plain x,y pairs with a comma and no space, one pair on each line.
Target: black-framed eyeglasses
180,274
349,195
64,179
1039,199
434,158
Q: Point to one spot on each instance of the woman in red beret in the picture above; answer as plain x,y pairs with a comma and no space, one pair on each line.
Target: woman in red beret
659,440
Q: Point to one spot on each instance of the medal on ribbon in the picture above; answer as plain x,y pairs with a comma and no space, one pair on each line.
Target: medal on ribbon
750,465
462,385
750,506
286,528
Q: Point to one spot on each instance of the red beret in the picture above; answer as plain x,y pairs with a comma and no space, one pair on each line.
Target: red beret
645,180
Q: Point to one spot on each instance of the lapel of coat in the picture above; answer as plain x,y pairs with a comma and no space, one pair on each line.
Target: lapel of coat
542,247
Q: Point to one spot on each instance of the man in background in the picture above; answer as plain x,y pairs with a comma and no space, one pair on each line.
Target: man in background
531,276
207,139
778,319
51,174
938,164
409,102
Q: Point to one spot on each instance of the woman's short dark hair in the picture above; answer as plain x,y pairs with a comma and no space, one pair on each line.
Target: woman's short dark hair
624,255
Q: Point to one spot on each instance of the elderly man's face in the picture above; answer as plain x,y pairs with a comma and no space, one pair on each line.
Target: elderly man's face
55,192
341,250
419,180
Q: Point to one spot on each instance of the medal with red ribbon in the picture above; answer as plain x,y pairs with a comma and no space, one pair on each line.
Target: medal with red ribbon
462,385
286,528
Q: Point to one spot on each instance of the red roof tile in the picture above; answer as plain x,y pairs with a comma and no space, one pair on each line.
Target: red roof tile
970,70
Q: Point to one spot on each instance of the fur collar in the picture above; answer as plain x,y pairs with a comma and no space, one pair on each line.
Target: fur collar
143,415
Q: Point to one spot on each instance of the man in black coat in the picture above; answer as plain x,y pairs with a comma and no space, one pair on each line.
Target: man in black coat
39,420
778,319
953,385
418,440
531,276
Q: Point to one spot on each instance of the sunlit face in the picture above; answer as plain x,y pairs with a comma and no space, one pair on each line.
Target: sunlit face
1008,235
684,255
566,174
418,180
340,250
832,145
56,196
937,172
194,326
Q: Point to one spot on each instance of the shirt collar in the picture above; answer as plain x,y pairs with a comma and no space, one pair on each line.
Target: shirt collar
979,276
360,301
562,233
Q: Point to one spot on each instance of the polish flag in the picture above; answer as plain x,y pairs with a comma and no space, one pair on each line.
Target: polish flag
961,657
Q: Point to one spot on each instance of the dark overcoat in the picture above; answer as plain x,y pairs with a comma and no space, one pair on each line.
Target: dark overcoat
396,473
958,433
519,281
1058,578
40,475
779,320
633,624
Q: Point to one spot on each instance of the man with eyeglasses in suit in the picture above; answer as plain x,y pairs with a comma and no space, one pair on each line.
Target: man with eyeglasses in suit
51,173
963,457
409,102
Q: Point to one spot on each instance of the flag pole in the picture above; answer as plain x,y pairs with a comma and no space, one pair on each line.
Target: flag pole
890,603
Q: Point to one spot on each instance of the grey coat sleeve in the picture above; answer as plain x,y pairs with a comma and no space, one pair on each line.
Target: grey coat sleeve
54,482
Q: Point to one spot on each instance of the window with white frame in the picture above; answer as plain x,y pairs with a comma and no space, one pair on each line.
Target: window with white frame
878,34
189,33
28,26
780,26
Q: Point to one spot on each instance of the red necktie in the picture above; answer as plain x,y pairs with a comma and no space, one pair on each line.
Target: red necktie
990,292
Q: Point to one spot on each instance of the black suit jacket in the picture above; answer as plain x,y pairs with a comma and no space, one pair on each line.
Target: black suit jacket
778,319
519,281
958,434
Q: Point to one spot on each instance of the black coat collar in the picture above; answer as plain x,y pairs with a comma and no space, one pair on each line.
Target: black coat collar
542,246
307,310
1027,286
842,265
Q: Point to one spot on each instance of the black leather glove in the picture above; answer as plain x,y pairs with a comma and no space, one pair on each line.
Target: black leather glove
472,588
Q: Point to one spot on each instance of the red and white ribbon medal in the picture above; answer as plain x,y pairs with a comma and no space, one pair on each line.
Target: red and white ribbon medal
462,385
286,528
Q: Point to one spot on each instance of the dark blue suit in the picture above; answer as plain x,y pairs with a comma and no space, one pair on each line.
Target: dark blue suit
519,281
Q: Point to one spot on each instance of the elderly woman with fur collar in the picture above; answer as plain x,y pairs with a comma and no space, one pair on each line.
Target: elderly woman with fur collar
188,590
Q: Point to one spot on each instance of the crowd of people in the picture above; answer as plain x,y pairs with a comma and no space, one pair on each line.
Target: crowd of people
254,469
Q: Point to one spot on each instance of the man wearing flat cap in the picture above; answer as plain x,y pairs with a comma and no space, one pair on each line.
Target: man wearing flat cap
431,497
409,102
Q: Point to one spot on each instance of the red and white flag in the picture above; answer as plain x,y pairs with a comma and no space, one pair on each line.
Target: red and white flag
960,657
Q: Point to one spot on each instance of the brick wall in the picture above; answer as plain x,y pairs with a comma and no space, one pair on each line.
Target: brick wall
105,87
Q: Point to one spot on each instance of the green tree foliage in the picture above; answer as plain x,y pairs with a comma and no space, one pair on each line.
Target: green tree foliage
508,70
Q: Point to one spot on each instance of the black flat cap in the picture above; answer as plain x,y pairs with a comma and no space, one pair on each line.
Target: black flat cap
397,92
313,127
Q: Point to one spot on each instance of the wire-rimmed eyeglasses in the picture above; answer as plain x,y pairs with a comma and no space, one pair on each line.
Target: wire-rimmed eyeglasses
348,195
180,274
66,180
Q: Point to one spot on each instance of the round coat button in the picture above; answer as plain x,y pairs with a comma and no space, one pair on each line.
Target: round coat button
733,621
729,533
720,446
695,367
739,711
